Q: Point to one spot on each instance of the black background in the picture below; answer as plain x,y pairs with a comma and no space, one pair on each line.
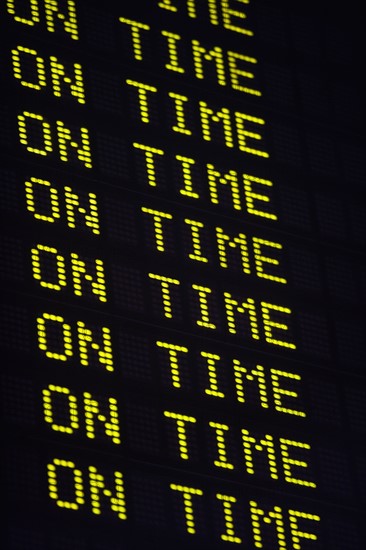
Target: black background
309,70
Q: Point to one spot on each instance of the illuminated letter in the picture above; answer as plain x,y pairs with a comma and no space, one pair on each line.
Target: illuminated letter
135,35
111,425
220,429
228,13
231,178
97,281
158,226
55,263
149,159
202,298
214,54
43,133
241,372
87,345
187,493
243,134
260,260
39,69
278,392
181,420
65,141
34,12
75,84
173,64
42,187
117,499
213,388
44,324
224,240
187,190
142,95
295,533
71,406
252,196
288,462
165,292
223,117
191,6
196,241
227,502
265,443
52,12
53,489
235,73
72,202
259,515
179,112
173,359
245,307
269,325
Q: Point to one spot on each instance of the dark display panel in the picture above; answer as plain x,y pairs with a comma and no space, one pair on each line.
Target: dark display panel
182,265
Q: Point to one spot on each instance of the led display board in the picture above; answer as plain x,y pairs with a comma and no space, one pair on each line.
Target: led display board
182,271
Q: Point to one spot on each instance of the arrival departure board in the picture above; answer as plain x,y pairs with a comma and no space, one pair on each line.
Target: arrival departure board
182,272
